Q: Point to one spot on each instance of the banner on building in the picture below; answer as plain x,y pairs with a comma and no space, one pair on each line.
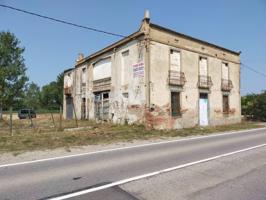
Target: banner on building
138,70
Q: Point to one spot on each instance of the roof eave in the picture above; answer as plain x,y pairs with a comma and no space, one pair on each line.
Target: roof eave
114,45
194,39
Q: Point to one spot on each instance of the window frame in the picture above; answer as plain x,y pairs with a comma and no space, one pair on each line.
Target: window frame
225,112
180,61
207,62
178,113
228,66
124,80
83,75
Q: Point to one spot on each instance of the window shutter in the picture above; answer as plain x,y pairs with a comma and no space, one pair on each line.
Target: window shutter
225,104
175,61
175,104
225,71
203,68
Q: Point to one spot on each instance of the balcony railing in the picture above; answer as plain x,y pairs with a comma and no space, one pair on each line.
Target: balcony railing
205,82
102,84
176,78
227,85
68,90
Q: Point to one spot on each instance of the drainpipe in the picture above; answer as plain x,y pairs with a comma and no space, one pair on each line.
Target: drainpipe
146,29
147,61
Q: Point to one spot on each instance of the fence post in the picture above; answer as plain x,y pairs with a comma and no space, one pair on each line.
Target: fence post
53,119
60,119
75,114
30,118
11,121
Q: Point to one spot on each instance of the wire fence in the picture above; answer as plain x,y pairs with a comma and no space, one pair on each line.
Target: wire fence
43,122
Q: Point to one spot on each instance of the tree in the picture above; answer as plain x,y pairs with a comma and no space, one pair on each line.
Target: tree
32,96
12,70
254,106
247,104
260,107
60,86
52,94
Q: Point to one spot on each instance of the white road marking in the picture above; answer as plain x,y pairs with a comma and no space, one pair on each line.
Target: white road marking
129,147
152,174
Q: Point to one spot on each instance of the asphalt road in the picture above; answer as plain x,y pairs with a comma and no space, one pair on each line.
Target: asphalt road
57,177
239,177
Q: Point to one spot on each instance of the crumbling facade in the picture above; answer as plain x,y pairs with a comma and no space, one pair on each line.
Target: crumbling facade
157,77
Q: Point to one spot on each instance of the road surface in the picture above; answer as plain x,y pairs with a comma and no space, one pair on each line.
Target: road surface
53,178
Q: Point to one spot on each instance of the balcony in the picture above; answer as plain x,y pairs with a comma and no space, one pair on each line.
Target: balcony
205,82
176,78
226,85
68,90
102,84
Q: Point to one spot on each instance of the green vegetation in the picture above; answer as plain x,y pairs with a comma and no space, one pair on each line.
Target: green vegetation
254,106
15,90
12,71
45,136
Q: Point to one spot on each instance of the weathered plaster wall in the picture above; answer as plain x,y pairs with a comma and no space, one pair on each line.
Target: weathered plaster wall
126,101
68,83
177,41
160,117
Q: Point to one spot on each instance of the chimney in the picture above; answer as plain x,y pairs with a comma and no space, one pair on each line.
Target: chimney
147,16
80,57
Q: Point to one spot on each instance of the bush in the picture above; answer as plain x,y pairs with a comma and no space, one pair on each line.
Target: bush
254,106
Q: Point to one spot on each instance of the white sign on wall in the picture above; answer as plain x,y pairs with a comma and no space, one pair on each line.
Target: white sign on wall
138,70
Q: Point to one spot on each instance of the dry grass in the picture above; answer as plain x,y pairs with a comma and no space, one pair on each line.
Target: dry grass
44,135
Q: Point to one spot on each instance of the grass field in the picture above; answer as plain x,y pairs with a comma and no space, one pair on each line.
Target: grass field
44,134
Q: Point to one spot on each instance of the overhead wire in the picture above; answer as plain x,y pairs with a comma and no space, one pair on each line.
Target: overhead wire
252,69
94,29
62,21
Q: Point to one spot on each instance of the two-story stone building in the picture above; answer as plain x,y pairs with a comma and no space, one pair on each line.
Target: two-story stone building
157,77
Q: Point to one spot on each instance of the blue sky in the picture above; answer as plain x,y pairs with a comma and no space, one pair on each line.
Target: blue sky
51,47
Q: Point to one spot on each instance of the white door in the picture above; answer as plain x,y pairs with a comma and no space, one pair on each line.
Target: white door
203,110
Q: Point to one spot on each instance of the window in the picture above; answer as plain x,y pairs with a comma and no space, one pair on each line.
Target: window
175,104
203,67
125,68
175,61
102,69
225,104
83,76
105,95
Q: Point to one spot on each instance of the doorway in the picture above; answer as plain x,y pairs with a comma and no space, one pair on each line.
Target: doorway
203,109
69,107
83,108
101,105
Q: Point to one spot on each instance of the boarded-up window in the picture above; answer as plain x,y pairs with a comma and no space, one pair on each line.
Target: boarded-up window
68,80
225,71
225,104
203,67
125,68
175,61
102,69
175,104
83,76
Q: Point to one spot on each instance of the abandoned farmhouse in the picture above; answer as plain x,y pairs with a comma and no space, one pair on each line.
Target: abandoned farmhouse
157,77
